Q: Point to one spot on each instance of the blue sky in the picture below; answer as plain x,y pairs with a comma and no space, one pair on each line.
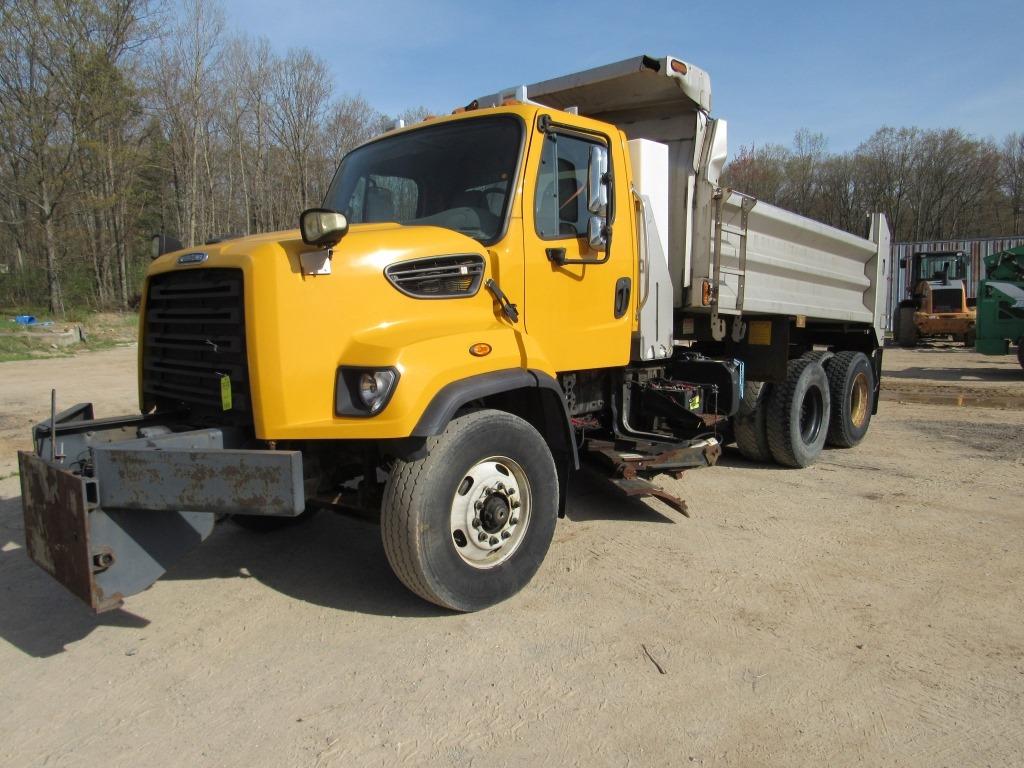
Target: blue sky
840,68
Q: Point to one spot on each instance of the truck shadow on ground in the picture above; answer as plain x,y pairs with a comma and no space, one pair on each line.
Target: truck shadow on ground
332,561
37,615
989,373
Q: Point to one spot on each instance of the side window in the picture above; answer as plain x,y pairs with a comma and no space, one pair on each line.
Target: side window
383,198
560,209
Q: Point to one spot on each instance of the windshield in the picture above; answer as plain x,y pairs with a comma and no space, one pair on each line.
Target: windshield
932,266
453,175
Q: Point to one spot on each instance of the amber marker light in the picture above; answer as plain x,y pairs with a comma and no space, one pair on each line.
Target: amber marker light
479,350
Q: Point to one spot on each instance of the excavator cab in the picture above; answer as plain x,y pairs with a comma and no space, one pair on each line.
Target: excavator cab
936,303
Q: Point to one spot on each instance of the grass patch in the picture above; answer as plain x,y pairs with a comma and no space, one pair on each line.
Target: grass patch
103,330
16,349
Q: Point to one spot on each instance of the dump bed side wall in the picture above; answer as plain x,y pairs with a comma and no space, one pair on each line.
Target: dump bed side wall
794,265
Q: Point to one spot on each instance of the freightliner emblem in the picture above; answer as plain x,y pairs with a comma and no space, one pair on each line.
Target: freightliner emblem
193,258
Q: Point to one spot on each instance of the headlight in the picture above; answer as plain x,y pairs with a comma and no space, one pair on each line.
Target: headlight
363,391
375,387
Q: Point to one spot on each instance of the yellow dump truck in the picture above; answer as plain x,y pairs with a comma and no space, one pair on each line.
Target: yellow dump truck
551,275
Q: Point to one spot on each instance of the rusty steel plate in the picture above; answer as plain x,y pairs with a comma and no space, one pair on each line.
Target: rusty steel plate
57,528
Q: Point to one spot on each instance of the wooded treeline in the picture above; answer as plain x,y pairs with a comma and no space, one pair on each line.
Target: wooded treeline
931,184
123,118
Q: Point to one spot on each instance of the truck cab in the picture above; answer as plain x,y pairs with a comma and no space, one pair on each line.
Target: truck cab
549,276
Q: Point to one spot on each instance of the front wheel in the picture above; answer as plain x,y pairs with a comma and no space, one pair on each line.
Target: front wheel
468,526
907,334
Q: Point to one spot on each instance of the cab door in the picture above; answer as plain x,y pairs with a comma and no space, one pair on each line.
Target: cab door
579,300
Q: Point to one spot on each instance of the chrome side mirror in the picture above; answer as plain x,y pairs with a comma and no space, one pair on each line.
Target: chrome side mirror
322,227
597,181
161,244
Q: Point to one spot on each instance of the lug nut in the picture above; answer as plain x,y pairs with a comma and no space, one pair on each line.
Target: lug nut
493,540
505,534
501,486
478,506
476,522
514,521
482,536
515,504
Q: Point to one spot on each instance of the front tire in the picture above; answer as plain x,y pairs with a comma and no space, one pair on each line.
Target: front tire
798,414
906,332
469,525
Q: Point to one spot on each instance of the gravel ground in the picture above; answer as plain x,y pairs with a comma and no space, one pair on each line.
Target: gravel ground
864,611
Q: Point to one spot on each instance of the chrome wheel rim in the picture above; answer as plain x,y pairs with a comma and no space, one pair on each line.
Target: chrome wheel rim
490,512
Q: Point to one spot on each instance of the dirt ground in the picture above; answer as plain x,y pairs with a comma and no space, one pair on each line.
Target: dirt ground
866,611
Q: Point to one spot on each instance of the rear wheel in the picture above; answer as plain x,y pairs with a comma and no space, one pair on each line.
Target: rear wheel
851,384
798,414
906,332
749,424
468,526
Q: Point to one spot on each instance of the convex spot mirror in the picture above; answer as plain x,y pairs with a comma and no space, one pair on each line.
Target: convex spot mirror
597,181
597,197
322,227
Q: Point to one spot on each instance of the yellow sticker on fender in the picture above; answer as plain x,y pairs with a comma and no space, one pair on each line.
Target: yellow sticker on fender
225,392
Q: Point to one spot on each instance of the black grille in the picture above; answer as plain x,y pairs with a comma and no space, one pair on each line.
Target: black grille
946,300
194,336
441,277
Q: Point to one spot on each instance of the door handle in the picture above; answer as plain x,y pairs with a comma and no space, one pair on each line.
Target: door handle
622,290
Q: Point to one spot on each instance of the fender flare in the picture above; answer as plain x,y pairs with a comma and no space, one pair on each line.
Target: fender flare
454,395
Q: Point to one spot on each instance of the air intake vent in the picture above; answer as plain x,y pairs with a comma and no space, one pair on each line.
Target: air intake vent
438,277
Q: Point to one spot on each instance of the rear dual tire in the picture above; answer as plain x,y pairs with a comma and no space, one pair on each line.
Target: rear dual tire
750,427
851,382
798,414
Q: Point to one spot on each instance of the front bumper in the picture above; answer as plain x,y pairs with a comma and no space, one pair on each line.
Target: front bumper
110,504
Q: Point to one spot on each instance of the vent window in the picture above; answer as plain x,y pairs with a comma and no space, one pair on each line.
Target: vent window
438,277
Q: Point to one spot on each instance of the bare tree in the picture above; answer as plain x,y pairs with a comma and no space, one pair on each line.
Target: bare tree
1012,168
301,89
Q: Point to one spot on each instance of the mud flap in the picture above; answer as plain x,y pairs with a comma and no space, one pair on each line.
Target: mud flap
100,556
